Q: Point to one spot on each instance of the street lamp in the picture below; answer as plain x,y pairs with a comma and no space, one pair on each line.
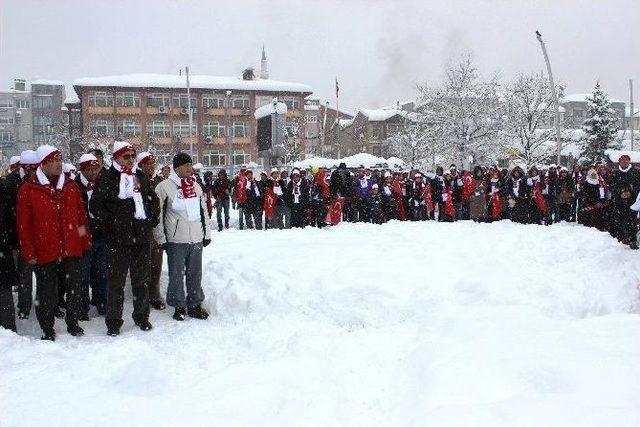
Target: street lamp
555,96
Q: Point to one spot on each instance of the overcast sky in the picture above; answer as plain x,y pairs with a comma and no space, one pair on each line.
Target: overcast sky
378,49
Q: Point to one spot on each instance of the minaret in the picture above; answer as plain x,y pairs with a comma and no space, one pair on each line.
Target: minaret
264,71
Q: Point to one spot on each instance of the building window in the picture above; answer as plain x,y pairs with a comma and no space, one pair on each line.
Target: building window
182,101
43,101
213,130
6,120
22,104
101,128
6,103
213,101
159,100
159,128
240,129
182,128
312,118
292,102
214,159
128,127
240,101
261,101
127,99
42,120
100,99
241,157
6,136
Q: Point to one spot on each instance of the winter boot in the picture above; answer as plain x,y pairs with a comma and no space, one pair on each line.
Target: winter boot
113,331
75,330
58,312
144,325
180,314
157,305
197,312
84,317
49,335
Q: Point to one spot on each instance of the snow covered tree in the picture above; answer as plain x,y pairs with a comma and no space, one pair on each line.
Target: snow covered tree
414,143
529,107
466,113
292,146
600,127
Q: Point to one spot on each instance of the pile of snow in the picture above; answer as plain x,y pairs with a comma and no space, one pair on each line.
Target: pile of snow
355,161
363,159
321,162
460,324
269,109
394,162
173,81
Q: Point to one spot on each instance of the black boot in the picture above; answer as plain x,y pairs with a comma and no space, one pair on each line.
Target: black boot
113,331
49,335
84,317
75,330
157,305
144,325
180,314
197,312
58,312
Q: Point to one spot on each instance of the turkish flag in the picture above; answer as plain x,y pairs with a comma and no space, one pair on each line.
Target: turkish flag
428,199
241,189
449,208
334,214
538,198
270,199
496,208
468,186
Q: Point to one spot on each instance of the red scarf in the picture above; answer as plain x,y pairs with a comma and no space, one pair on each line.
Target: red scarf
449,208
241,190
468,186
428,199
322,183
128,171
187,187
334,213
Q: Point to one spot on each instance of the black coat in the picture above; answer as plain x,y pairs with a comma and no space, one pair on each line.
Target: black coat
117,215
304,194
8,275
622,183
341,183
97,227
11,185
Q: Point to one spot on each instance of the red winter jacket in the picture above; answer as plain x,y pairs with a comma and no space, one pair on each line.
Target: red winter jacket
52,224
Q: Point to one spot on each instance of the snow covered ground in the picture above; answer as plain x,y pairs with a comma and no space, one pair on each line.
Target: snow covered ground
405,324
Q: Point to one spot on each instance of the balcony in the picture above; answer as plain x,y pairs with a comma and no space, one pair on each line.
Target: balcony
128,110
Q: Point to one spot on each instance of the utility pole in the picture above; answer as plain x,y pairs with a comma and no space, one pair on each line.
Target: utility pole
631,111
555,97
227,134
186,69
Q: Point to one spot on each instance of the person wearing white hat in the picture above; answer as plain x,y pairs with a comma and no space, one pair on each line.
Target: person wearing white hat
94,261
14,163
53,231
125,202
297,197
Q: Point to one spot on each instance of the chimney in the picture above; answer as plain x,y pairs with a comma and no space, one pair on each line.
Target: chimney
248,74
20,84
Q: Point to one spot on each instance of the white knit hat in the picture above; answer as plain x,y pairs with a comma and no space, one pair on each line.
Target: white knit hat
121,147
68,167
29,157
46,153
273,170
88,160
14,160
141,157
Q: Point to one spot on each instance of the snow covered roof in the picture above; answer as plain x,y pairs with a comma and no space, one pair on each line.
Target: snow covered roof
72,99
614,155
269,109
172,81
47,82
340,110
582,97
364,159
379,115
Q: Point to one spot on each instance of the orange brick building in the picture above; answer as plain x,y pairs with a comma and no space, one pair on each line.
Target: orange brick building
151,111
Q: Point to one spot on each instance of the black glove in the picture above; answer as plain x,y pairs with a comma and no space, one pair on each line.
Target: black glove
205,242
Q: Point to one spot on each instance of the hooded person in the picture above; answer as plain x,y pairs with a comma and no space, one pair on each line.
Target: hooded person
125,203
94,261
625,186
593,196
54,233
184,230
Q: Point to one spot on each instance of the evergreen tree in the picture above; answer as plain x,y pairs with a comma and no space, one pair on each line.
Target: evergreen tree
600,127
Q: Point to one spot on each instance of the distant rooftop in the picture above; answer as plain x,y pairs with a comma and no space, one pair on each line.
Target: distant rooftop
47,82
582,97
173,81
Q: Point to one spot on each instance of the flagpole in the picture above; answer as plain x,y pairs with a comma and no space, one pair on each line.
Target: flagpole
338,120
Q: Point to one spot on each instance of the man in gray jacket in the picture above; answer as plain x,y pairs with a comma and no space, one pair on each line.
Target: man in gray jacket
183,231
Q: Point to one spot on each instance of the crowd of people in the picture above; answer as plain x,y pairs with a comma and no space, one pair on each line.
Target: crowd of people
81,230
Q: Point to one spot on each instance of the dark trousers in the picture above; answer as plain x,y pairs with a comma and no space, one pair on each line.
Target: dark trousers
155,257
223,205
25,289
564,212
252,215
297,216
625,223
364,210
135,260
48,278
94,277
7,311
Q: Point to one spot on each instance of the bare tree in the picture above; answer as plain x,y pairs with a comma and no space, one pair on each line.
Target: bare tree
414,142
528,131
466,113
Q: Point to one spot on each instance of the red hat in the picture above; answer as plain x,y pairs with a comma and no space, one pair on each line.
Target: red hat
87,160
120,148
